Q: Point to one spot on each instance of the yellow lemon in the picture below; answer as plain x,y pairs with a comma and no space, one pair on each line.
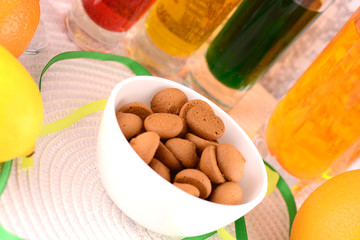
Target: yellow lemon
21,108
332,211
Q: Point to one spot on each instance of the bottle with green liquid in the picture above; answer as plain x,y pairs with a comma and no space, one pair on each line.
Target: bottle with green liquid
251,41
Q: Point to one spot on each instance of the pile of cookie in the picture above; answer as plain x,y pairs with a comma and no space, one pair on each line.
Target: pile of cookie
178,139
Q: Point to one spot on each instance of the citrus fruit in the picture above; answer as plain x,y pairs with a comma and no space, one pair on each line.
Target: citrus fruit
332,211
21,108
19,20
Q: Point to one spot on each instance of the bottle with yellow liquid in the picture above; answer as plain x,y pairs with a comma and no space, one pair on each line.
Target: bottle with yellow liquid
314,131
174,30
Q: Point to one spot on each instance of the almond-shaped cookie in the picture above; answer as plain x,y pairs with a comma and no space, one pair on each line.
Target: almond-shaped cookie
229,193
160,169
145,145
138,108
208,165
130,124
190,189
199,142
231,162
184,151
195,102
169,100
205,123
185,108
165,124
167,158
196,178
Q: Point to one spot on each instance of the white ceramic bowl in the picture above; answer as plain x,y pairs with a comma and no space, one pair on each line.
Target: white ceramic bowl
146,197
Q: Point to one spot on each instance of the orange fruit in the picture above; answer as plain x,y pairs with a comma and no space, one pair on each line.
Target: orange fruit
332,211
19,20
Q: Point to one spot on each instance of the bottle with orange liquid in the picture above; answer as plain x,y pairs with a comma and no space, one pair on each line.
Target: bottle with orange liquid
314,131
174,30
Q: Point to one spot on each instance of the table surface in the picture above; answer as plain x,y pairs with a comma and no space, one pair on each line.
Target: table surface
61,196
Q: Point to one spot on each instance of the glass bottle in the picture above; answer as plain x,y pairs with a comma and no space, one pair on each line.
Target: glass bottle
102,25
174,30
314,131
250,42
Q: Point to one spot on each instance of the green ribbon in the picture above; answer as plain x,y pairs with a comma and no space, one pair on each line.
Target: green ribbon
134,66
288,197
5,235
5,169
4,175
240,227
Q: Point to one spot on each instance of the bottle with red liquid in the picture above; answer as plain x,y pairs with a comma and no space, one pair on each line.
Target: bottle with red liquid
102,25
